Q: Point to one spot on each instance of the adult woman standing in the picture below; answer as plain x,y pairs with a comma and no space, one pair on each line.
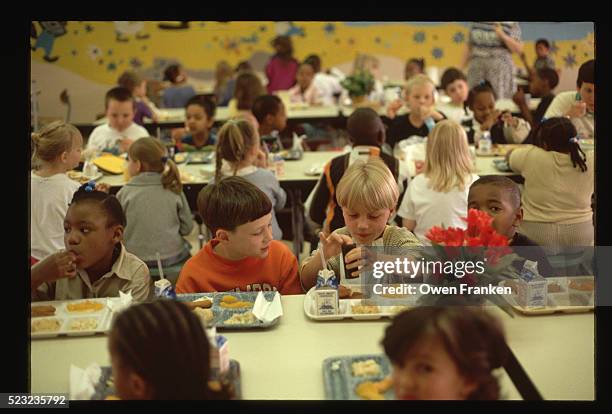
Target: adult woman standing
489,55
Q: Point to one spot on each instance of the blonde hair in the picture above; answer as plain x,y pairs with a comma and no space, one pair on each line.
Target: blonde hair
364,62
448,163
419,80
368,185
153,158
235,139
52,141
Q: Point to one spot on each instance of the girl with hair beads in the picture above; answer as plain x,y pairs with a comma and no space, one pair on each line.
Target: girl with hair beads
93,230
159,351
238,153
155,181
445,353
57,149
503,127
559,183
439,195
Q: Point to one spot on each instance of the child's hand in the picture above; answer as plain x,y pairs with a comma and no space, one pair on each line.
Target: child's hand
577,110
262,160
332,244
359,259
419,166
499,30
177,134
124,144
393,107
509,119
103,187
59,265
490,121
519,98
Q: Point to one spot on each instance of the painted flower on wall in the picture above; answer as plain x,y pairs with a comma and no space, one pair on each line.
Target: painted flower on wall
569,60
437,53
419,37
94,52
459,37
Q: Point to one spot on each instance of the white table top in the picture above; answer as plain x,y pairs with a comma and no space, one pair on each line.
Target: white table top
294,170
285,362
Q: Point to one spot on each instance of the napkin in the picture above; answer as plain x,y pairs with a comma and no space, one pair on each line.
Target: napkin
83,381
124,301
267,311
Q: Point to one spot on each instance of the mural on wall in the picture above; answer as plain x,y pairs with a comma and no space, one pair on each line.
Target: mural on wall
100,51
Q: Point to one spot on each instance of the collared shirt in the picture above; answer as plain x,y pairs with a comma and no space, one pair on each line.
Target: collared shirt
128,274
105,138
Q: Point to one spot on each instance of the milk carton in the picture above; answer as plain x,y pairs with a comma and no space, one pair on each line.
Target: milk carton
326,293
219,352
532,288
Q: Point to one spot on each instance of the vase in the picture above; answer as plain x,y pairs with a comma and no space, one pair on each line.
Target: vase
358,100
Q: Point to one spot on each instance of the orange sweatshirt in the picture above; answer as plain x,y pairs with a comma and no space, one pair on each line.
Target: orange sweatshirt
209,272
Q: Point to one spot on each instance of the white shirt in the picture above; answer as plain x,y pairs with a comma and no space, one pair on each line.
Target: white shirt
327,85
454,112
432,208
104,137
49,199
585,125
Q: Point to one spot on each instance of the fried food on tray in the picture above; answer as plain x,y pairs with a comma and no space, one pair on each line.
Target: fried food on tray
206,303
229,299
85,306
365,309
585,285
43,310
370,390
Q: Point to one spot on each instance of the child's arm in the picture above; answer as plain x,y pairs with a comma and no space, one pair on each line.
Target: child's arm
519,100
517,129
332,246
185,216
140,285
57,266
280,195
409,224
530,71
290,280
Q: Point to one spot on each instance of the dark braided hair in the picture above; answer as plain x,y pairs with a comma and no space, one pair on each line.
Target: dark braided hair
473,339
107,202
556,133
165,343
483,86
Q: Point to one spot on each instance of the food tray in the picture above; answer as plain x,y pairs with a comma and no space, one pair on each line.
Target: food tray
81,179
568,300
340,383
201,157
105,387
501,165
346,309
67,322
221,314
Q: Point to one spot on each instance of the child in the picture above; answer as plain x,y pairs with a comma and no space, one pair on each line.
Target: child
93,230
327,84
543,58
419,96
271,116
199,120
305,90
177,95
414,67
160,351
438,196
500,197
282,67
579,106
228,93
248,88
367,194
541,86
242,256
223,74
455,85
237,153
367,134
503,127
445,353
559,183
120,131
155,181
57,149
138,87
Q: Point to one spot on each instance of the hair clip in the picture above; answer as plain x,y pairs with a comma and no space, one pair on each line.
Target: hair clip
90,186
574,140
483,82
164,159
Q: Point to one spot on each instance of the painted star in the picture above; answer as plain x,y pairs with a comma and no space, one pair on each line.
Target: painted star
329,28
74,52
419,37
76,32
89,28
570,60
101,62
554,48
144,48
135,63
110,52
351,41
573,47
377,40
437,53
262,28
111,66
459,37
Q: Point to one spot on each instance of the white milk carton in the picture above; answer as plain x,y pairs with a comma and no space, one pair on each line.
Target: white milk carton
326,293
532,288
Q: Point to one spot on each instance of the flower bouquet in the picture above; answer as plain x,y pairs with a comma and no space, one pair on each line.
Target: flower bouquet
479,245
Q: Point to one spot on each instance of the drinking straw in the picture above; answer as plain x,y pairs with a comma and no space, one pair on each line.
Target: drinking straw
159,266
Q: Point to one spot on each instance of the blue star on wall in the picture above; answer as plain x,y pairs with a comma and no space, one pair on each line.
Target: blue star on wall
554,48
329,29
437,53
110,52
459,37
570,60
419,37
135,62
111,66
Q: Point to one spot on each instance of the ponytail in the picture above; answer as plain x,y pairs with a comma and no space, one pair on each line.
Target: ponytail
171,177
235,139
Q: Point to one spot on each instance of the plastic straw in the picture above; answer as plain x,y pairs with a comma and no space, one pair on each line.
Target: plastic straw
323,262
159,266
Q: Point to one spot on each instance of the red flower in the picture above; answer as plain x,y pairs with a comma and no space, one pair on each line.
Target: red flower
477,221
436,234
454,237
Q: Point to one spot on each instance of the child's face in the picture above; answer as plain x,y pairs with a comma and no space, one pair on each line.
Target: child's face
411,70
120,114
587,93
458,91
429,373
279,120
498,204
251,239
537,86
366,226
73,157
541,50
483,106
196,120
87,235
304,76
419,96
141,90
